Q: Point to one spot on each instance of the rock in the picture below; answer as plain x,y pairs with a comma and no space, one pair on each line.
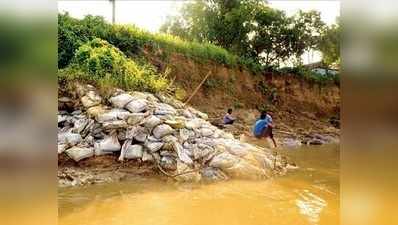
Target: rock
120,101
153,146
137,105
162,130
151,121
79,153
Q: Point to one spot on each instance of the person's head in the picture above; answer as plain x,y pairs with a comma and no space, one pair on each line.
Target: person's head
229,111
263,113
263,116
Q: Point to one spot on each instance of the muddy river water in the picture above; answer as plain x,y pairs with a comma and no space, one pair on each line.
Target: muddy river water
308,195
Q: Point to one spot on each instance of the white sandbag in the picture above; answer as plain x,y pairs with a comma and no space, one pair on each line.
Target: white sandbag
146,157
90,99
114,124
206,132
187,174
164,109
120,101
182,153
224,160
130,151
162,130
194,123
176,124
151,121
137,133
79,125
153,146
137,105
62,148
135,118
109,144
79,153
72,139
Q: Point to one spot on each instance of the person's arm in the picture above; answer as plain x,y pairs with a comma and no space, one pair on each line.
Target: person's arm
230,117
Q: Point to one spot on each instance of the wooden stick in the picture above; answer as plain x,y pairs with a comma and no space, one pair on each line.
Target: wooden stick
197,88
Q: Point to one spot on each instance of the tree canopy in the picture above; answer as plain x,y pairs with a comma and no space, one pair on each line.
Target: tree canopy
252,29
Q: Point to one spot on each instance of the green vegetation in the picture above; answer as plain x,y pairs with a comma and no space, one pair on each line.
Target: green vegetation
270,44
99,62
248,28
132,41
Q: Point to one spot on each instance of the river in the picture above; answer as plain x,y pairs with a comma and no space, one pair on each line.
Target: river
308,195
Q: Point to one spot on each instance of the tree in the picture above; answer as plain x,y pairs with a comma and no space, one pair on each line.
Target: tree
329,44
248,28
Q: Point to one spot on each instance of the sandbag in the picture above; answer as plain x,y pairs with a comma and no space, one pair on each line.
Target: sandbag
109,144
137,105
206,132
135,118
153,146
120,101
90,99
186,174
79,153
130,151
146,157
164,109
151,121
162,130
114,124
72,139
182,153
224,160
194,123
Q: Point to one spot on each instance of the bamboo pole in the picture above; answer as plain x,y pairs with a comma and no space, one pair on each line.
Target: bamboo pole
198,87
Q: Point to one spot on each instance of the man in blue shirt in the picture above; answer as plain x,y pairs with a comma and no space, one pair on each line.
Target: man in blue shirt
263,127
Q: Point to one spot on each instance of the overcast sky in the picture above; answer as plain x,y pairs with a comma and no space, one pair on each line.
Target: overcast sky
152,14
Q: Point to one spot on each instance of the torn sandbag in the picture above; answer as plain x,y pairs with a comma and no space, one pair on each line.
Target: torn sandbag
182,153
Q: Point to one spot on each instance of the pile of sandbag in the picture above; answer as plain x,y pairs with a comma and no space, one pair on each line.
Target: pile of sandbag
160,130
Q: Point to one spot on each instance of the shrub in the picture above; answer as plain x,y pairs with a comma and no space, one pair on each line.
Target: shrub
99,62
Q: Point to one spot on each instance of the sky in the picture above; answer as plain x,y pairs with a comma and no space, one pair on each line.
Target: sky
151,14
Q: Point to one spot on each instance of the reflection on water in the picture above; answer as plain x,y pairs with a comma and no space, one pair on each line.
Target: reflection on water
309,195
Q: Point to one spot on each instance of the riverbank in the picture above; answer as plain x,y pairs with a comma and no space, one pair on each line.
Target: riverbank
106,138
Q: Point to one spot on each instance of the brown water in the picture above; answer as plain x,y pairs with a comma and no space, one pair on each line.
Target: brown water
308,195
